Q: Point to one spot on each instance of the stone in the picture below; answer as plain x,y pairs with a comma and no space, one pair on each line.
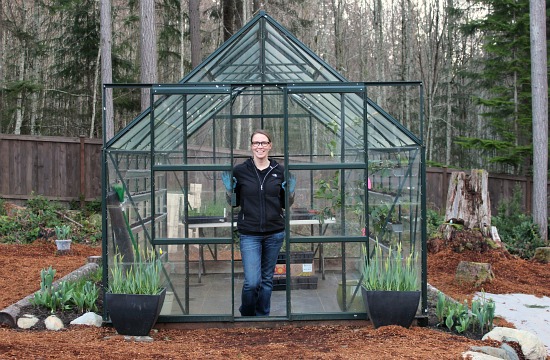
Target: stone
90,319
542,255
472,355
493,351
512,354
474,273
53,323
138,338
532,347
27,321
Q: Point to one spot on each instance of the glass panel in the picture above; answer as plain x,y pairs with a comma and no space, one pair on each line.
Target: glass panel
194,121
208,213
209,287
394,200
401,102
317,274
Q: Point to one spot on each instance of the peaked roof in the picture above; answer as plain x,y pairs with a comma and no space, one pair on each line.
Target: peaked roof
264,53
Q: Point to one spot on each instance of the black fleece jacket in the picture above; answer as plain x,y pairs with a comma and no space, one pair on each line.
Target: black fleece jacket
261,197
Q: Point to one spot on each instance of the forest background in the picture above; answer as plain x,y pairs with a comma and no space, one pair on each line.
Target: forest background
472,56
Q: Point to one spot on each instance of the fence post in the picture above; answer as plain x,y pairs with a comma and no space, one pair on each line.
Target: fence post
528,195
82,172
444,188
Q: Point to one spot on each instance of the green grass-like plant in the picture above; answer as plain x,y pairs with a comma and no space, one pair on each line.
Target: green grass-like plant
392,273
62,232
82,293
458,317
143,276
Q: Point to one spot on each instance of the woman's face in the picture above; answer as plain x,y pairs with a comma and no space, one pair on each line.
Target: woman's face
260,146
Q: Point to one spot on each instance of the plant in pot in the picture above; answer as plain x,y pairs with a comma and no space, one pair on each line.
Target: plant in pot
135,293
390,286
63,242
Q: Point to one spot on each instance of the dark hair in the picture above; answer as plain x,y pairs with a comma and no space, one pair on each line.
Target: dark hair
260,131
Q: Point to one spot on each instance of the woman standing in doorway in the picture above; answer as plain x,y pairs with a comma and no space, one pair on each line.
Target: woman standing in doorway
258,186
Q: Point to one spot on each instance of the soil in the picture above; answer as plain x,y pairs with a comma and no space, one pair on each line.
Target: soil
21,265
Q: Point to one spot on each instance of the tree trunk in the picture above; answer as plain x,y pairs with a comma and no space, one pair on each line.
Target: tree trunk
539,86
106,68
468,202
148,49
21,77
194,32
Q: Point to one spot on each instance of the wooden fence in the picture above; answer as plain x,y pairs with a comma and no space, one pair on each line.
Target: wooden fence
69,169
58,168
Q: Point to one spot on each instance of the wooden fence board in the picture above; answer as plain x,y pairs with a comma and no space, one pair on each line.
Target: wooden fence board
51,166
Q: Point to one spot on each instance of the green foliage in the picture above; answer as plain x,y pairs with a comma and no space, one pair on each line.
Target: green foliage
43,297
516,229
82,293
484,312
457,317
85,296
433,221
140,277
507,78
30,221
329,192
2,207
62,232
393,273
41,216
93,206
209,209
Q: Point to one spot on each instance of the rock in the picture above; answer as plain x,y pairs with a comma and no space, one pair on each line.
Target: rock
473,273
27,321
138,338
542,255
54,323
90,319
493,351
472,355
532,347
512,354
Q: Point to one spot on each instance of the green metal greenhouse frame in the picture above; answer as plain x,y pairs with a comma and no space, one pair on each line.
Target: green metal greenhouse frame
344,149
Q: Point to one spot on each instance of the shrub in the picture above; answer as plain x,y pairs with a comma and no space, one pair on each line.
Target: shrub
434,220
517,230
41,216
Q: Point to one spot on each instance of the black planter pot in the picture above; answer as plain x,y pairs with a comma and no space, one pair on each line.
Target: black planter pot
133,314
391,307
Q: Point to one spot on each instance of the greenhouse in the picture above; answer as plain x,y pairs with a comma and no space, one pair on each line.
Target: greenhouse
359,170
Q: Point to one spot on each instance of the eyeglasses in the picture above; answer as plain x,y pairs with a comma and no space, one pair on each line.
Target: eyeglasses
260,143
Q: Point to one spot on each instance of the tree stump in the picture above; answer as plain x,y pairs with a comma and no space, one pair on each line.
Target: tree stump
473,273
542,255
468,202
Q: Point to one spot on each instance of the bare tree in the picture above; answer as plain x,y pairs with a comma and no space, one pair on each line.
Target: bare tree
148,49
539,88
21,77
195,32
106,67
232,11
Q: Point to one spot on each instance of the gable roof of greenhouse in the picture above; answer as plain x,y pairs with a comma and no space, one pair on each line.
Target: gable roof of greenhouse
263,52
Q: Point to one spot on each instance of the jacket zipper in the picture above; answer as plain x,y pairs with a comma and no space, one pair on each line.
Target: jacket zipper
261,182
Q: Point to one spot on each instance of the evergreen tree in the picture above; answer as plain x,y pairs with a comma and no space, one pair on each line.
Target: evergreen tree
507,79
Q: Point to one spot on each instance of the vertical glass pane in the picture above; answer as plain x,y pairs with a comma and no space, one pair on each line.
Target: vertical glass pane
204,212
316,273
209,287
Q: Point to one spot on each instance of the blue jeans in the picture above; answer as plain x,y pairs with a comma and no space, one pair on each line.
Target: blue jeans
259,255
